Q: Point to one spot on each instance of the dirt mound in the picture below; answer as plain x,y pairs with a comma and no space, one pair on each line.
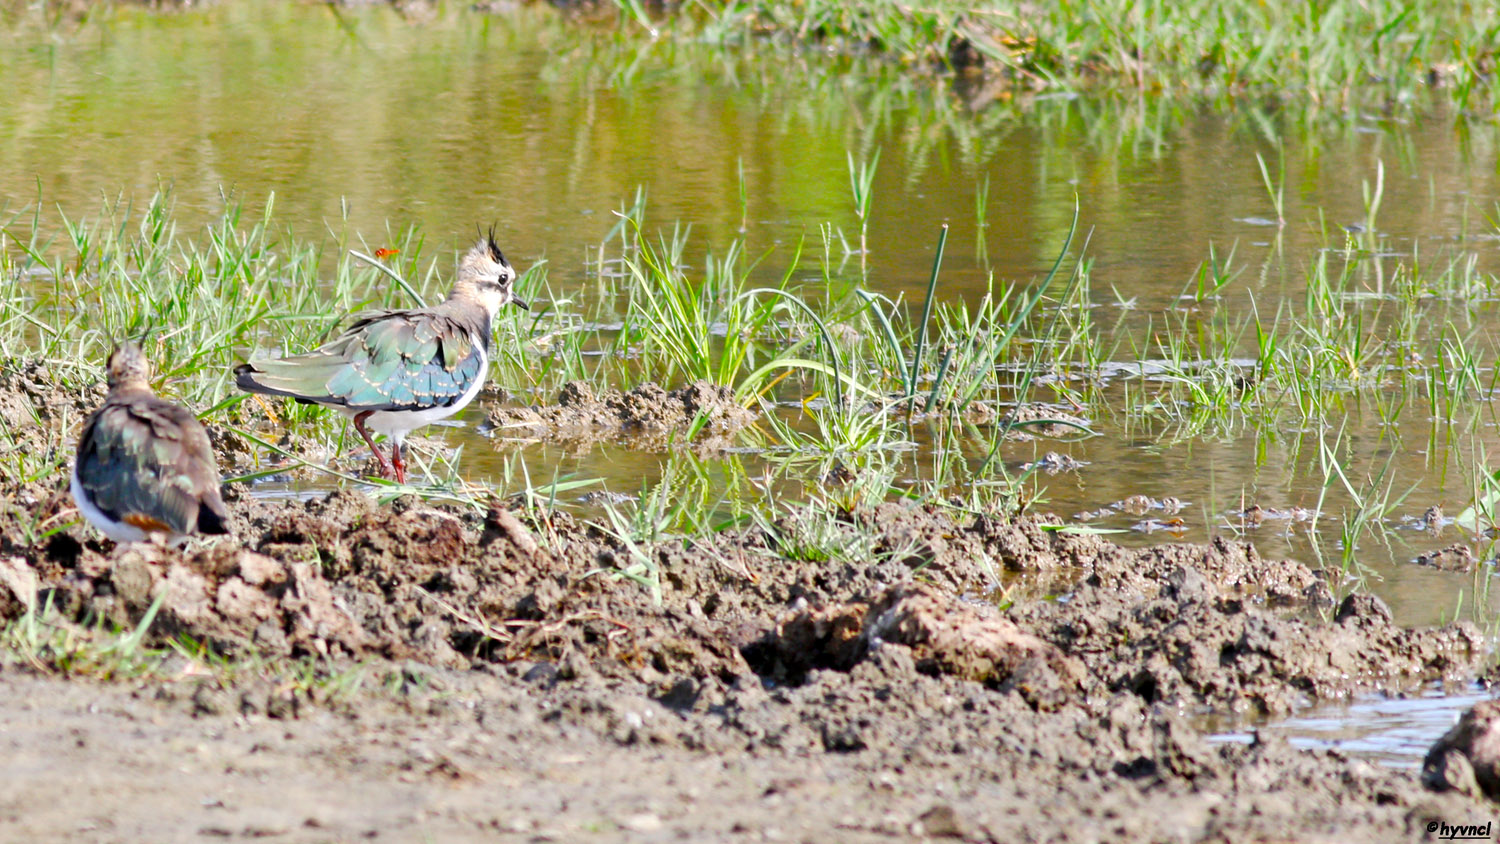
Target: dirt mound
339,577
1188,644
964,640
648,415
342,577
974,553
1193,643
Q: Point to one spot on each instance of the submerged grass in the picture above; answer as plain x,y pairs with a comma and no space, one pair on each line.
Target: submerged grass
1339,51
1333,52
913,398
204,302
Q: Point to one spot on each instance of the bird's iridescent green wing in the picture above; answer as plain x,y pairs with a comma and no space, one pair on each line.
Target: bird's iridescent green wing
396,360
410,361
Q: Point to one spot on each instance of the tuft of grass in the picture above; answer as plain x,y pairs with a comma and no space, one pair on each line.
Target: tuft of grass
1339,51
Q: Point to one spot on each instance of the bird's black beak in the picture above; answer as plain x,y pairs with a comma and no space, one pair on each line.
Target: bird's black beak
520,303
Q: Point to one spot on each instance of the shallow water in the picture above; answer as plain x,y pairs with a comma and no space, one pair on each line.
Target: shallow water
357,120
1394,731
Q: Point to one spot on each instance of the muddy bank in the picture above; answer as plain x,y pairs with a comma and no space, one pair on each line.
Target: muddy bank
775,681
648,416
887,671
1183,625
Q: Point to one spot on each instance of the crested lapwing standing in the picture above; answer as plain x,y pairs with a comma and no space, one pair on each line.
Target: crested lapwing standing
145,465
395,371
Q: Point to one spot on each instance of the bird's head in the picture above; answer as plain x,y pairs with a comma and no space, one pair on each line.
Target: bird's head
486,278
127,366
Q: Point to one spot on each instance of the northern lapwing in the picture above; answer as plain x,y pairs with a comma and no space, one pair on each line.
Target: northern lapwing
144,464
395,371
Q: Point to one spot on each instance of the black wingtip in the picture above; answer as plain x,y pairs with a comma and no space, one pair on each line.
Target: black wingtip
244,378
211,521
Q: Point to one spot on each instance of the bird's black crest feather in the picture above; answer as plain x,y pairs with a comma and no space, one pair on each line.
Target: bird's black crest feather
495,248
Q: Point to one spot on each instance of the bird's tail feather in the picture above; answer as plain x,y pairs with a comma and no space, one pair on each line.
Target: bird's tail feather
306,380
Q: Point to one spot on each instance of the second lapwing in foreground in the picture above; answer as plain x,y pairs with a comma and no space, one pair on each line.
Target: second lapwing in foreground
144,465
395,371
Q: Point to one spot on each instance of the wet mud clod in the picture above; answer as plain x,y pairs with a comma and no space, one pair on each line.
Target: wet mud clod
649,415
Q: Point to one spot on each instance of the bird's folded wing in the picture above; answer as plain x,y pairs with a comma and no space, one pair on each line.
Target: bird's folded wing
402,360
140,464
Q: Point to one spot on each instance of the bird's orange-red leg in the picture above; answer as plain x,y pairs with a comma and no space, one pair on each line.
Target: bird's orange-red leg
385,466
399,462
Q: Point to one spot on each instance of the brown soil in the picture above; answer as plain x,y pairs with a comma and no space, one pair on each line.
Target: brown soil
649,416
482,676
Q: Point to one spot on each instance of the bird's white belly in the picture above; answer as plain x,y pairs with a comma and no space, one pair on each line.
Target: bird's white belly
396,424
